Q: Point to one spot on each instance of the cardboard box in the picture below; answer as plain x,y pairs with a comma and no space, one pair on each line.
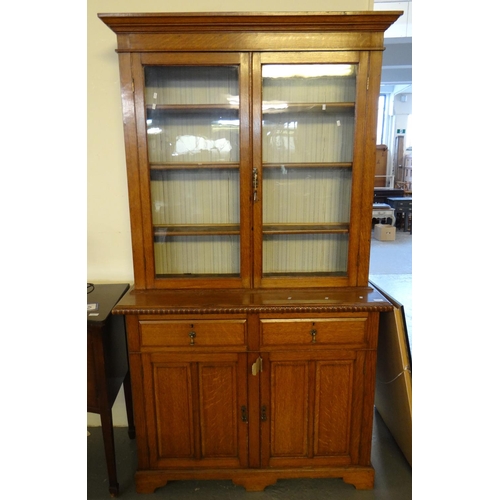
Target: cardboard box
385,232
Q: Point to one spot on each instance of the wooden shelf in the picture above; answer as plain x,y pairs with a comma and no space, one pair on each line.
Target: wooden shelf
194,165
193,108
308,165
309,107
196,230
342,228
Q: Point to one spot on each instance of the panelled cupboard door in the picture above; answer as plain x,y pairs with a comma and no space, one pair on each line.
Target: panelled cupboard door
196,410
308,155
192,119
310,414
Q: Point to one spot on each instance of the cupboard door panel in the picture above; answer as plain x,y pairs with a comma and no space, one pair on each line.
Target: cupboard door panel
289,409
193,410
334,386
309,399
174,409
218,417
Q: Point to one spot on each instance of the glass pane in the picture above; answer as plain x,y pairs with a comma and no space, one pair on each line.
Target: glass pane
198,196
193,149
313,83
192,113
192,84
307,150
306,195
182,136
309,253
185,256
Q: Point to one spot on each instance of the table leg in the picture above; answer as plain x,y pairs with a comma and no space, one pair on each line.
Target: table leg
127,389
109,450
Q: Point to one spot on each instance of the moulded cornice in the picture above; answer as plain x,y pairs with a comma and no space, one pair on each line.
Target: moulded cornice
158,22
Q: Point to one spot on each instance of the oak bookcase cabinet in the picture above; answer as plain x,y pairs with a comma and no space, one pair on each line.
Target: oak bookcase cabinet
250,147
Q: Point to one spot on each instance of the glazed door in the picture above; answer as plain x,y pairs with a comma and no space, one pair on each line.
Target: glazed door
193,125
306,158
196,410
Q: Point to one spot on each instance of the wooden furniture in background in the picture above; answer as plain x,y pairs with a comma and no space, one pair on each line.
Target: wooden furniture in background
381,166
380,195
399,162
250,160
107,366
408,172
402,210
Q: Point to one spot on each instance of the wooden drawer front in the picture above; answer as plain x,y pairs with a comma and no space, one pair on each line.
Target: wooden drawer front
195,333
350,332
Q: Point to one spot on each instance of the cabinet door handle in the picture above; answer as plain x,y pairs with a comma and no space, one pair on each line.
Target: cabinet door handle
255,184
313,335
192,335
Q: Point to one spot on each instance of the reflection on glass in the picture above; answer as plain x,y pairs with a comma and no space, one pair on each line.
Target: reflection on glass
285,85
192,114
177,137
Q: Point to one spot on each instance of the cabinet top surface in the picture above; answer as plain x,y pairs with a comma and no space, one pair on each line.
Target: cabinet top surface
246,301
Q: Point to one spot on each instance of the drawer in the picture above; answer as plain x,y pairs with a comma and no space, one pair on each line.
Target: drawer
193,333
352,332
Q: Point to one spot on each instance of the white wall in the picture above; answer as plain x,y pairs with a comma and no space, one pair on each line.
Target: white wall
403,26
109,252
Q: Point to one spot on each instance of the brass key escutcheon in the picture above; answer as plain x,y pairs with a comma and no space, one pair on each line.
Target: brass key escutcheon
257,366
192,335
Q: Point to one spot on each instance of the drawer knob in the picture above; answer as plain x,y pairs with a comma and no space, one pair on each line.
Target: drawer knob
192,335
313,335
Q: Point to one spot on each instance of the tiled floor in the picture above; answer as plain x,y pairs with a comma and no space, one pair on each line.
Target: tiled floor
390,270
